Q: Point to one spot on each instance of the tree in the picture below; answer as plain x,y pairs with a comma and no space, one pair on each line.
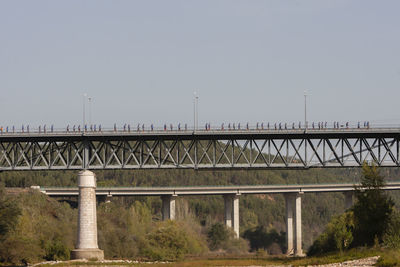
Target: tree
373,208
217,234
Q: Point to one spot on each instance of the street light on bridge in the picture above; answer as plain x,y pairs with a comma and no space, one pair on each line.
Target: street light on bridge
195,111
305,110
83,111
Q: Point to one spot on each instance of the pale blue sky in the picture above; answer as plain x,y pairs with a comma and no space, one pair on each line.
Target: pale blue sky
141,61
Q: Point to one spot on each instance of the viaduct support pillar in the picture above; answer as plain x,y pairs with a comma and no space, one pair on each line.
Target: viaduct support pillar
293,224
168,207
348,199
298,251
289,223
232,213
86,245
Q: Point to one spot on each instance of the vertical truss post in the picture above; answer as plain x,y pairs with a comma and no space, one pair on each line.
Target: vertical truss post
85,154
214,153
195,153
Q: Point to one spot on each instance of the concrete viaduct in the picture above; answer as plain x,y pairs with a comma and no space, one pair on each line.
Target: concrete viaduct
231,195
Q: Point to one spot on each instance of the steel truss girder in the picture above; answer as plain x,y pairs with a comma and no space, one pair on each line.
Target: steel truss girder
164,152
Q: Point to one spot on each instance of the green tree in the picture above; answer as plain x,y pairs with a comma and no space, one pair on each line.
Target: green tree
217,235
338,235
372,209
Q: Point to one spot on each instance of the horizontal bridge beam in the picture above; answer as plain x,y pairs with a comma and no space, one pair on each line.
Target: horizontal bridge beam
210,190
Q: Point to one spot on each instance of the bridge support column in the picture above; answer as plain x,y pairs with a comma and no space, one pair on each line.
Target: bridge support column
289,223
232,213
86,245
168,207
348,199
293,224
298,250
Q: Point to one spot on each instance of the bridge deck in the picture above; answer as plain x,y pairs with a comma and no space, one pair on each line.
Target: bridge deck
210,190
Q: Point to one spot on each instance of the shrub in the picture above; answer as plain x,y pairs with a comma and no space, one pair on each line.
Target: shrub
217,235
391,238
337,235
169,241
56,250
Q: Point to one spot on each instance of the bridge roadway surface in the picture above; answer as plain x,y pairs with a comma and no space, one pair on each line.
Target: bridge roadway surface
208,190
202,149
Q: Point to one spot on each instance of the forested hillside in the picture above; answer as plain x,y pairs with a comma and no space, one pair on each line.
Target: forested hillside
126,224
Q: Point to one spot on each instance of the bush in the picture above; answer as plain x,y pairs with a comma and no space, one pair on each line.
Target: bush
271,240
56,250
391,238
337,235
217,235
169,241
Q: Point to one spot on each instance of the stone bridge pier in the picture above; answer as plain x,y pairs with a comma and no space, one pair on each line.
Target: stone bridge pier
86,244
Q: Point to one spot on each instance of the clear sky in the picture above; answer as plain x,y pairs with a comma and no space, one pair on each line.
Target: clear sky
250,61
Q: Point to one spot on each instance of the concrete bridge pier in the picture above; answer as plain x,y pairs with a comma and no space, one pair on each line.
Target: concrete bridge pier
168,207
232,213
293,224
348,199
86,245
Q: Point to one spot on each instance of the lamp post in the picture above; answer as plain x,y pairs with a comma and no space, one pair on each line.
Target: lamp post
305,110
195,111
90,110
83,110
